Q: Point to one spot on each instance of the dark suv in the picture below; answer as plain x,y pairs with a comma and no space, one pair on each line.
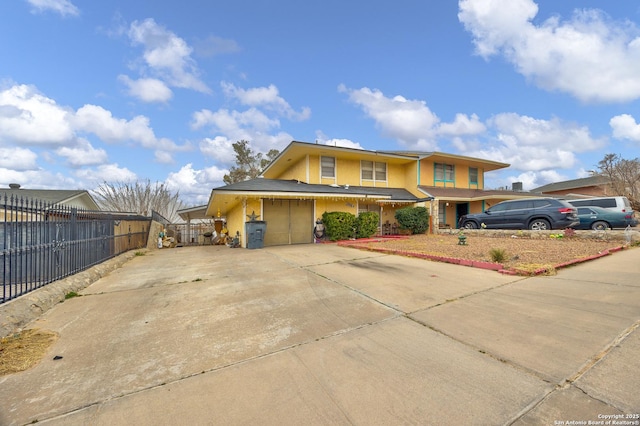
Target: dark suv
530,213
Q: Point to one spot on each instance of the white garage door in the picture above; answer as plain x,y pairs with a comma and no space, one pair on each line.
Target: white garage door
288,222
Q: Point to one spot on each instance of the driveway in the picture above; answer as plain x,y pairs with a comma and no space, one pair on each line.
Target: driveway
321,334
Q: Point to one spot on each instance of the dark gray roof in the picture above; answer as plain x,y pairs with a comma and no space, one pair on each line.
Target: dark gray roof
294,186
50,196
595,180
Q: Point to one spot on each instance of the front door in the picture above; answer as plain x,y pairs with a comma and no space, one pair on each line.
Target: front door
461,210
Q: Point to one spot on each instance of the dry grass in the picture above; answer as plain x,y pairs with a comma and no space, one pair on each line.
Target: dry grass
526,254
21,351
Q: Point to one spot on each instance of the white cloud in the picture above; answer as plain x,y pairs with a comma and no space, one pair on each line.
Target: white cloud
37,178
99,121
17,158
63,7
228,122
530,144
83,154
167,55
251,125
532,180
267,97
195,185
163,157
220,148
147,89
106,173
588,56
625,127
24,113
345,143
410,122
462,125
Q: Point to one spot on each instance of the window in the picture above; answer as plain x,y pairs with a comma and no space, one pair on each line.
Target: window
443,172
373,171
500,207
520,205
366,168
381,171
473,175
328,167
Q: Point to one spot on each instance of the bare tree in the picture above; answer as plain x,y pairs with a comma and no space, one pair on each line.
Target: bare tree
140,198
624,176
248,165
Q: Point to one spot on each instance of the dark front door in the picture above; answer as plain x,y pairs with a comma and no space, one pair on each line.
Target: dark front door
461,210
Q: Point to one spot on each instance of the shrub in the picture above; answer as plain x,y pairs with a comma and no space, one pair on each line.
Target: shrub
498,255
339,225
367,224
414,218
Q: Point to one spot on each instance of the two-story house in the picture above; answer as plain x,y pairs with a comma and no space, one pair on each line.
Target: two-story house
306,180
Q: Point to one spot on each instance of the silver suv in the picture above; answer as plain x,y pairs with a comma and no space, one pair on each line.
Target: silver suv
530,213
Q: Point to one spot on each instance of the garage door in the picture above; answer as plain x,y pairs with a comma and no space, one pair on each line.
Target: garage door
288,222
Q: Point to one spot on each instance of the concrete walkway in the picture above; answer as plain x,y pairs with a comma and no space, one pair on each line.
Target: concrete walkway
321,334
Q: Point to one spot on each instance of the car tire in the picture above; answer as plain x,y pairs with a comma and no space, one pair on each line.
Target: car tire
539,225
470,225
599,225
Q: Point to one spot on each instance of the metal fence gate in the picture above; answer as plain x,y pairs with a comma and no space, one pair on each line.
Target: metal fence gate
41,243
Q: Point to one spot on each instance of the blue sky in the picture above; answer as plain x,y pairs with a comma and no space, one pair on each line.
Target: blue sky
114,91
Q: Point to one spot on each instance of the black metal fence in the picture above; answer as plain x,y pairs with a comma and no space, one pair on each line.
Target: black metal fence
41,243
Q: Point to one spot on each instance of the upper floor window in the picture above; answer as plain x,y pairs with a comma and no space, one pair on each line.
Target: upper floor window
328,167
371,170
443,172
473,175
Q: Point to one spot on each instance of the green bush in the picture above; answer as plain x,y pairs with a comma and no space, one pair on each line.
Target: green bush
339,225
414,218
367,224
498,255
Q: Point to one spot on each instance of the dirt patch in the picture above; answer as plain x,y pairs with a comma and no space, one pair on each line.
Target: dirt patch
521,253
21,351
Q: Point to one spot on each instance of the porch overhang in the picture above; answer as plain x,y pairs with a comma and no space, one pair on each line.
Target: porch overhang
222,201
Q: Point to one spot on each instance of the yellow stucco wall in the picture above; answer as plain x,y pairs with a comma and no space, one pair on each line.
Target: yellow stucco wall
328,205
426,173
296,171
235,220
237,217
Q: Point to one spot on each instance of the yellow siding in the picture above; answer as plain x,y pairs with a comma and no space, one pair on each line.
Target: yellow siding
322,206
296,171
395,177
235,221
348,172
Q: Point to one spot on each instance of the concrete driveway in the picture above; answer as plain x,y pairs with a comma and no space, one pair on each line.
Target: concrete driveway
321,334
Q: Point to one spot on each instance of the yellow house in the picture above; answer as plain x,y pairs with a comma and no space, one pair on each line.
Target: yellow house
306,180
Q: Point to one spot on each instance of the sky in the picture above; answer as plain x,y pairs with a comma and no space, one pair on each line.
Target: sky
95,92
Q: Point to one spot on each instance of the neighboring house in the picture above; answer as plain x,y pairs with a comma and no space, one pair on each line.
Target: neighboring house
65,197
592,186
306,180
